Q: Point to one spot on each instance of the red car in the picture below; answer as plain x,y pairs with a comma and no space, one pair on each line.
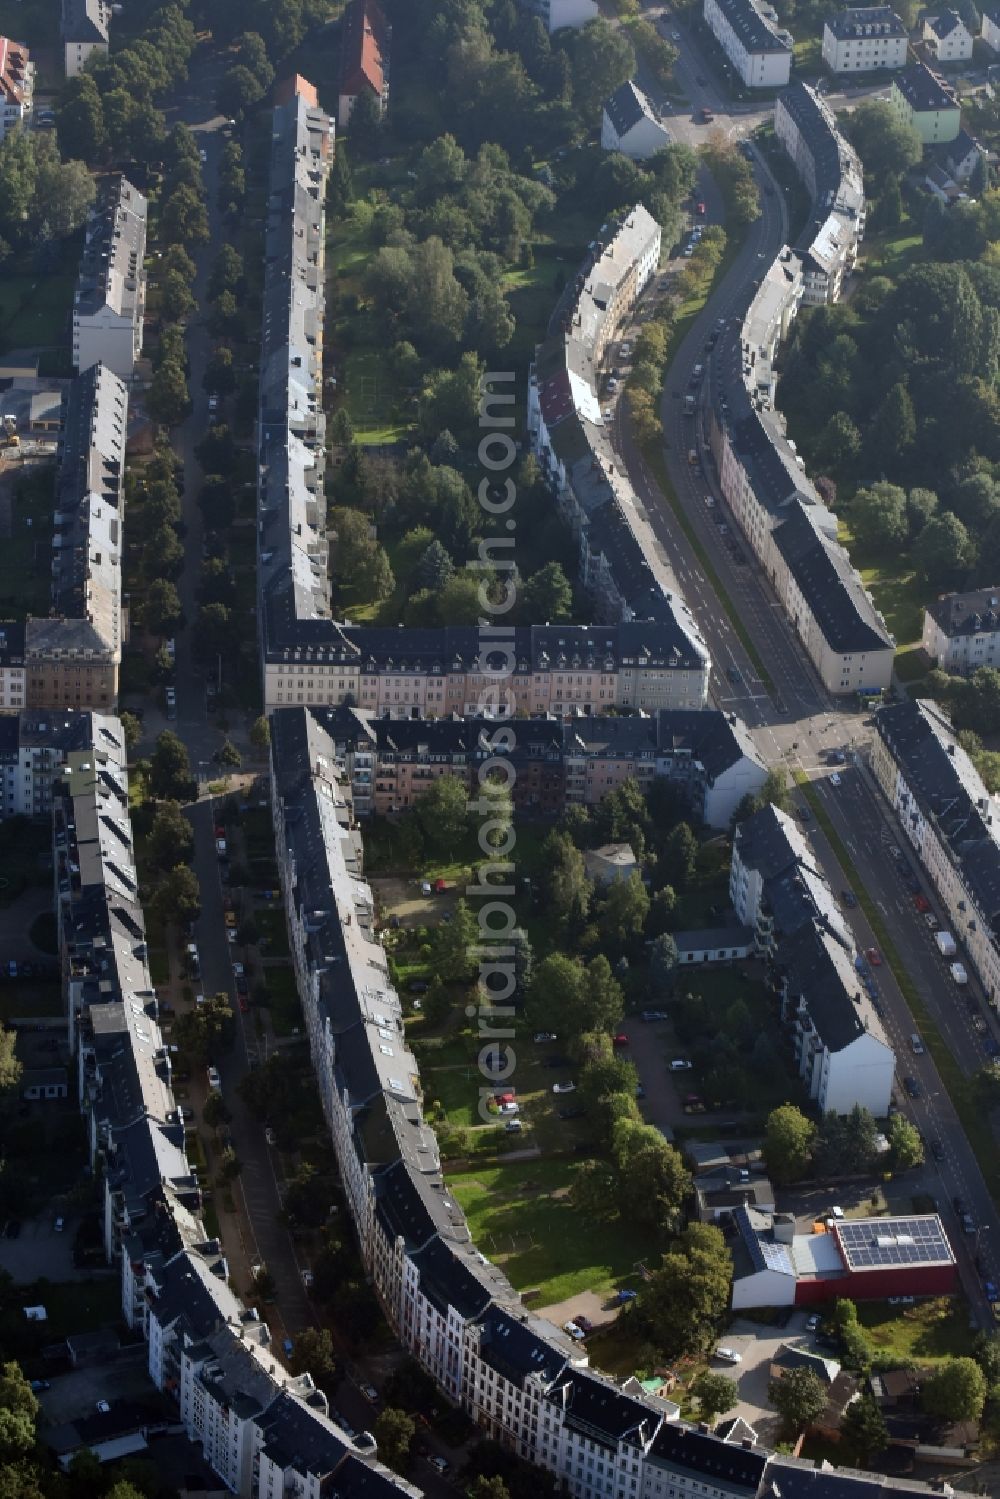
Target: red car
700,208
621,1039
440,886
874,957
244,1004
921,902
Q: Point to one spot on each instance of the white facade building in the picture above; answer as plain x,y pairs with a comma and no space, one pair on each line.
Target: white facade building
84,32
962,631
864,40
631,125
749,35
17,84
947,38
951,821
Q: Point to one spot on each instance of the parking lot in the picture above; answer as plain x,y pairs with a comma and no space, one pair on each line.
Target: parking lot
124,1377
757,1344
39,1253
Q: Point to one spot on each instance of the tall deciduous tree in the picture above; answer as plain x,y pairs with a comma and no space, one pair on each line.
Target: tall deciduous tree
788,1143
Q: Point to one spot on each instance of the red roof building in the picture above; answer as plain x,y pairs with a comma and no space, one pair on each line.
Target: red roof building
17,73
364,56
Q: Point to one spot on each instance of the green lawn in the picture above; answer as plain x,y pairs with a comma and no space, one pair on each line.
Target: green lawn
894,586
31,999
520,1216
35,309
924,1333
286,1012
26,555
370,393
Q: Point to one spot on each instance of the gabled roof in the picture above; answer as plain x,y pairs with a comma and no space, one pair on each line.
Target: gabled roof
85,21
364,48
943,24
922,90
628,107
14,64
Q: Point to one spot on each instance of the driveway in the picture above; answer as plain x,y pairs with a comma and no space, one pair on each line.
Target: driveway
585,1303
758,1344
76,1393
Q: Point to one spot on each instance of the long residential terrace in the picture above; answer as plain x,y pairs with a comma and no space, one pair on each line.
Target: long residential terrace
622,565
791,531
110,302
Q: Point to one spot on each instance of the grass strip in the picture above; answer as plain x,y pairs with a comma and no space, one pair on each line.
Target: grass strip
962,1092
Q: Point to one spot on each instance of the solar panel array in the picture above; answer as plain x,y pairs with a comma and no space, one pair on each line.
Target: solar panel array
875,1242
765,1254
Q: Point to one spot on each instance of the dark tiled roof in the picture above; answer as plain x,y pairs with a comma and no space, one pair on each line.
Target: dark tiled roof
627,106
830,587
730,1467
922,90
967,613
868,20
751,28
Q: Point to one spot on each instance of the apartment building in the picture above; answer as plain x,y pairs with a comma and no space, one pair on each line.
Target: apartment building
84,31
832,174
72,658
366,39
17,84
631,125
946,37
13,671
962,631
951,821
864,39
990,30
390,763
35,748
777,888
920,99
110,301
555,14
759,50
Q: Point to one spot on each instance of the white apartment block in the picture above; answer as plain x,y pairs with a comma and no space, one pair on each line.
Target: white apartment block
17,84
947,38
84,31
110,301
951,821
865,39
831,171
962,631
13,670
749,35
631,125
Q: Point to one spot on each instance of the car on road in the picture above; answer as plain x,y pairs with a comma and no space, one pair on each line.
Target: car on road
369,1392
103,1406
699,208
575,1332
270,1136
59,1225
835,779
564,1087
620,1040
440,1463
912,1086
849,898
649,1015
214,1081
921,902
39,1385
680,1064
220,847
989,1289
968,1223
874,956
733,675
541,1037
931,921
640,1090
242,987
812,1324
203,155
513,1127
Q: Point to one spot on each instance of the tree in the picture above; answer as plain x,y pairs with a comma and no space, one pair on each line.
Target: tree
716,1394
662,906
161,608
168,398
456,944
839,442
602,59
954,1391
921,505
435,567
680,855
651,1181
943,551
905,1144
183,219
887,145
131,728
799,1398
260,734
171,839
393,1429
217,503
306,1198
80,119
228,756
364,128
978,701
864,1430
623,914
176,297
170,769
238,92
893,428
602,999
547,597
442,814
163,555
555,995
879,517
684,1301
219,376
663,962
788,1142
177,898
216,1112
214,633
313,1354
227,273
569,890
18,1414
10,1066
482,1487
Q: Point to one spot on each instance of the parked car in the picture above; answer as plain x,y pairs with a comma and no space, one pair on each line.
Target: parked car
680,1064
620,1040
874,957
38,1386
729,1355
513,1126
214,1081
440,1463
542,1037
576,1333
564,1087
849,898
812,1323
369,1392
649,1015
912,1086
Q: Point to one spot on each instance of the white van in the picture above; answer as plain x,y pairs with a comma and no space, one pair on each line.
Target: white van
916,1045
